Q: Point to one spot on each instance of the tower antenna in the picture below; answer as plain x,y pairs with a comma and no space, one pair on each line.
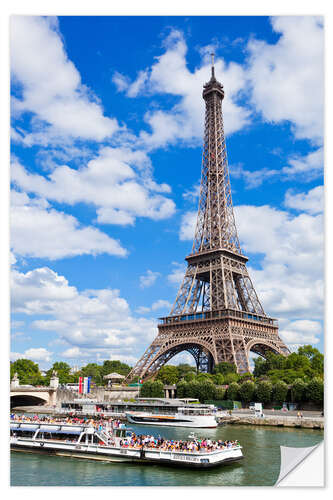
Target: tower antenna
213,72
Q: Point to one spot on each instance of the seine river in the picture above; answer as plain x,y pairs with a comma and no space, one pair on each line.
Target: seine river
261,465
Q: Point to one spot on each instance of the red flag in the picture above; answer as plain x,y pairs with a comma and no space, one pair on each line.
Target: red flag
80,385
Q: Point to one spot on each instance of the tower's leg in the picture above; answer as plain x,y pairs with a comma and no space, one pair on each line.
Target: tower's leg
241,357
204,360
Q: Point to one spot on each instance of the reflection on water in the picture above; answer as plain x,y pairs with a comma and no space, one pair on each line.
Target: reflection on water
261,465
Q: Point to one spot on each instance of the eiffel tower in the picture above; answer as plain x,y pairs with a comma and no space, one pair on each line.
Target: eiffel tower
217,315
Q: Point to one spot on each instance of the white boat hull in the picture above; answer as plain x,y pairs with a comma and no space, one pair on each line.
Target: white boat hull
177,420
113,454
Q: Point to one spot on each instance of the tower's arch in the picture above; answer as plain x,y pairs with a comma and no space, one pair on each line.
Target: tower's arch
201,351
261,347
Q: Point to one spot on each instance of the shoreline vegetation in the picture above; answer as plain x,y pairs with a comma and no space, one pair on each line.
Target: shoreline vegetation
297,378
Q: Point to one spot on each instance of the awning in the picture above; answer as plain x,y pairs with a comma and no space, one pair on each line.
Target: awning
60,431
71,430
44,428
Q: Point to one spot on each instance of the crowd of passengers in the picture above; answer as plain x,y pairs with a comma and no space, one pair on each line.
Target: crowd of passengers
197,445
133,441
100,424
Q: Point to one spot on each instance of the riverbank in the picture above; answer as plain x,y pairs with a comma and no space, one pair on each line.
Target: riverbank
275,421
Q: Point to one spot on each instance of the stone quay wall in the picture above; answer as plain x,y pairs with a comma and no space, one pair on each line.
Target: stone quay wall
276,421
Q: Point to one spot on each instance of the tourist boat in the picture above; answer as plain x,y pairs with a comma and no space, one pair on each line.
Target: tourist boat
86,442
184,416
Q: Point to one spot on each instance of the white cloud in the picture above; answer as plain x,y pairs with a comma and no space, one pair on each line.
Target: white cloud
138,85
92,320
177,274
287,76
120,81
158,304
34,291
304,168
187,225
192,194
37,230
142,310
309,166
50,85
185,120
311,202
117,182
161,304
34,353
74,353
253,178
301,332
148,279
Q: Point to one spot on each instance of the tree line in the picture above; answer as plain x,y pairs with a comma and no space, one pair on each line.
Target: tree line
29,372
298,377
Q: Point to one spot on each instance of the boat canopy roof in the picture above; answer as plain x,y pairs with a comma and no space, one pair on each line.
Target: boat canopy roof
52,428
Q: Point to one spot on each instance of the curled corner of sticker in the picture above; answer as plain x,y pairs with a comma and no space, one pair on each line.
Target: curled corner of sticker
291,461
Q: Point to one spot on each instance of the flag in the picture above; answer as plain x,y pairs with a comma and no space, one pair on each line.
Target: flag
85,385
80,385
88,384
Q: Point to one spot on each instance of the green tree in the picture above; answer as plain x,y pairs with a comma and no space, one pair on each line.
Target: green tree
280,391
315,390
315,356
297,361
275,361
298,389
193,389
260,367
182,389
27,371
219,379
168,374
114,366
190,376
157,389
63,373
287,376
245,376
246,391
92,370
204,377
220,393
233,391
185,369
230,377
263,391
146,389
206,391
225,368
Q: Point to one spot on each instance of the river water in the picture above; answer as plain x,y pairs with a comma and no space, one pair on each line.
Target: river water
260,467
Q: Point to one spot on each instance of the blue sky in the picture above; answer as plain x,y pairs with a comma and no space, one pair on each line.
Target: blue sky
107,126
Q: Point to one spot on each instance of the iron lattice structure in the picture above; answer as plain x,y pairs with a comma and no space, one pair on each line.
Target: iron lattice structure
217,315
